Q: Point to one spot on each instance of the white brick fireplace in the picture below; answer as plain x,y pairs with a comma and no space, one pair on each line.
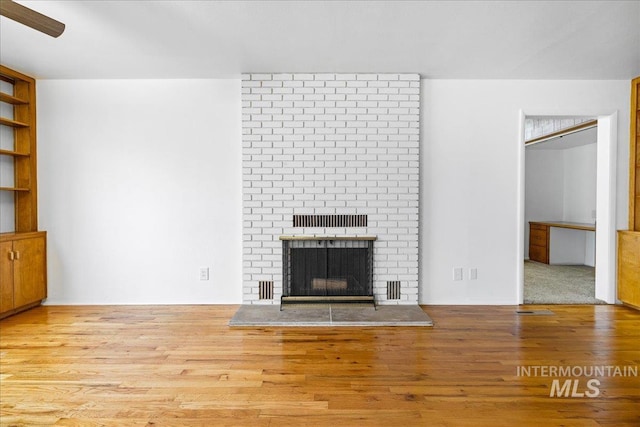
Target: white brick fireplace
331,144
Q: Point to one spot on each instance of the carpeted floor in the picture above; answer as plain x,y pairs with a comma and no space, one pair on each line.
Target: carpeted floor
559,284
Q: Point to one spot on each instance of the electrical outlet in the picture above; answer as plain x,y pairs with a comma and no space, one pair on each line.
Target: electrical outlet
457,274
204,273
473,274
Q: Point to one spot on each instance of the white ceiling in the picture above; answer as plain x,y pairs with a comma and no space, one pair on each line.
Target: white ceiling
438,39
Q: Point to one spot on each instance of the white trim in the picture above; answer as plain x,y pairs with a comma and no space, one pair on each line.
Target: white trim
520,251
605,207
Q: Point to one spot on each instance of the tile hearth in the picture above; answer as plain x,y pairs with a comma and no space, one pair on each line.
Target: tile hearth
330,315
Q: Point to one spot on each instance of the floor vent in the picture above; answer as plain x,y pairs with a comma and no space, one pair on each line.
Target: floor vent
534,312
330,220
393,290
265,289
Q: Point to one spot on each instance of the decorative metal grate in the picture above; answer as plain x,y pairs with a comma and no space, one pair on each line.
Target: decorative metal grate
340,268
330,220
393,290
265,289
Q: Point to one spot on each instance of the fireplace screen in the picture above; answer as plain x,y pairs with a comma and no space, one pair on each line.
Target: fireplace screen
327,268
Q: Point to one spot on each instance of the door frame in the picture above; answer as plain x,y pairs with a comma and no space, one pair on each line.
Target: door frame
605,205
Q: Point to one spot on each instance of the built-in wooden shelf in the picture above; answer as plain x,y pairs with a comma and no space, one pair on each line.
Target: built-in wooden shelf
12,123
23,249
13,153
567,224
14,189
20,149
5,97
10,236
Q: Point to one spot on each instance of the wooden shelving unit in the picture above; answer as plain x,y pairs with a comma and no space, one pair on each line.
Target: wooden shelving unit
9,99
629,241
23,278
15,189
13,123
23,152
12,153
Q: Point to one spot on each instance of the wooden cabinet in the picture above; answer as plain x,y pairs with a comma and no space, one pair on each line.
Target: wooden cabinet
23,277
539,242
629,241
629,267
634,157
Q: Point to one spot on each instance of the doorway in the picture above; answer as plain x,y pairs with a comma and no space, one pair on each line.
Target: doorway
560,210
604,236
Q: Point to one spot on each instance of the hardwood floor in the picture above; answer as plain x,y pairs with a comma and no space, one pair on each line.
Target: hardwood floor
182,365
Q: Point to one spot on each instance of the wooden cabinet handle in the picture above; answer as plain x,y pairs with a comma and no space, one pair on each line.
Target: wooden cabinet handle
11,256
17,255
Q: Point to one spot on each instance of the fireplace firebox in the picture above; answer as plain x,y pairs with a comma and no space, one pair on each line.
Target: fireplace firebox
327,269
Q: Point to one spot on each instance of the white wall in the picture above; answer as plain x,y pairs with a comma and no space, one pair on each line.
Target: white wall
139,187
470,177
560,185
580,198
544,188
580,183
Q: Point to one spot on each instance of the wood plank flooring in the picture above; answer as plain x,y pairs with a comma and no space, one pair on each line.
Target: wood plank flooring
184,366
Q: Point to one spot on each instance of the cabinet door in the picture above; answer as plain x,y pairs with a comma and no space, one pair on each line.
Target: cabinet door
629,268
30,283
6,277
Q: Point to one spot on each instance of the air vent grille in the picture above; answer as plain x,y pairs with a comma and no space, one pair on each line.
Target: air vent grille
265,289
393,290
330,220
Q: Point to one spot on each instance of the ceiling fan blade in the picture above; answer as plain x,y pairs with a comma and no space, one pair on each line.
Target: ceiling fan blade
31,18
